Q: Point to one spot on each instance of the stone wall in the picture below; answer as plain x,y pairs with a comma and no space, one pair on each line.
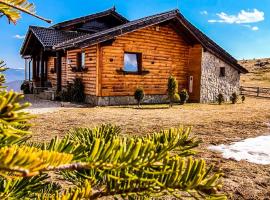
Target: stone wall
211,82
124,100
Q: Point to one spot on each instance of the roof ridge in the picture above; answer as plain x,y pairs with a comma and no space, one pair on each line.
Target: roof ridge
64,31
95,15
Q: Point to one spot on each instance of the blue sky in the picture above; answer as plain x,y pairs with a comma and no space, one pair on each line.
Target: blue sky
242,27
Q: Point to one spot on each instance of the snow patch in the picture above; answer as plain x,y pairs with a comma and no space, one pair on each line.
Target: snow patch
255,150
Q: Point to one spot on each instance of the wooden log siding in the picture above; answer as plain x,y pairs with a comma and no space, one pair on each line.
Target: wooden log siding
164,52
52,77
89,76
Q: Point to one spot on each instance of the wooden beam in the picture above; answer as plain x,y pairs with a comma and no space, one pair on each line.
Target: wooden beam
34,70
46,67
59,70
29,69
42,75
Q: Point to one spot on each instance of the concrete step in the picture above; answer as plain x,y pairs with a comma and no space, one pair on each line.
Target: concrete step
47,95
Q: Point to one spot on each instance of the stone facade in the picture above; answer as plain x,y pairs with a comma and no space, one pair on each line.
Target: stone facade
124,100
212,83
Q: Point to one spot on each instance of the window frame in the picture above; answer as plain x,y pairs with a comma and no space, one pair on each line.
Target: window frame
80,60
139,63
222,72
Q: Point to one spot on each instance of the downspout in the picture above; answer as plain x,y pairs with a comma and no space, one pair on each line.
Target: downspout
25,69
29,69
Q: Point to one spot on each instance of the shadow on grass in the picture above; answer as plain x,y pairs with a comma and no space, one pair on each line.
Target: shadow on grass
152,108
145,107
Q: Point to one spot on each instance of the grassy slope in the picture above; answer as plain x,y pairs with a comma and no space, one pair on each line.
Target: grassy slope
259,72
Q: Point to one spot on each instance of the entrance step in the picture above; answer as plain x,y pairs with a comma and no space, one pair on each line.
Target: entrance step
47,95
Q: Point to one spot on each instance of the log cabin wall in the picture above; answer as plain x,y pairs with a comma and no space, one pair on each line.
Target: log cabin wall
164,52
89,76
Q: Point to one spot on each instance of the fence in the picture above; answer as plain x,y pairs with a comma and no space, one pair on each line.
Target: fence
255,91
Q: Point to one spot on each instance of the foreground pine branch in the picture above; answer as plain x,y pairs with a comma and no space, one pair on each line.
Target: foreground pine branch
12,8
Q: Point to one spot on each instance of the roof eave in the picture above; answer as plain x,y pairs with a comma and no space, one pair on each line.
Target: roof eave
26,39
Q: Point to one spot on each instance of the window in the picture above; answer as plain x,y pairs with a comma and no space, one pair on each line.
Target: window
81,60
132,62
222,72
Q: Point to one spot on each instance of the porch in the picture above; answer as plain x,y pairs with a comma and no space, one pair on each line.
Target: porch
37,71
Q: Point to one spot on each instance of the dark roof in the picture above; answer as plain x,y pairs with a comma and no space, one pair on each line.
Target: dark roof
108,34
116,31
48,37
111,12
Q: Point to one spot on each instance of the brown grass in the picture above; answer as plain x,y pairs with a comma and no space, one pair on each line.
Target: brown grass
213,124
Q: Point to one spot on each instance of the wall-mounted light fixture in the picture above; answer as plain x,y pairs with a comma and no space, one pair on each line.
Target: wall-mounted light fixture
69,61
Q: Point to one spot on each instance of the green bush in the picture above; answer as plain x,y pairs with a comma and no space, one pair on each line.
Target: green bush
220,98
234,98
184,96
139,95
74,92
25,87
172,90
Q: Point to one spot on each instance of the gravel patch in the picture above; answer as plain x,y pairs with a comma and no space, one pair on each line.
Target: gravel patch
40,106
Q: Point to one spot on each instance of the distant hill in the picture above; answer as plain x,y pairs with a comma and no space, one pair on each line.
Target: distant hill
14,85
259,72
14,75
14,79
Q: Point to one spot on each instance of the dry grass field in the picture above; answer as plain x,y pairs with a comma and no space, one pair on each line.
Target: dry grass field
213,124
259,72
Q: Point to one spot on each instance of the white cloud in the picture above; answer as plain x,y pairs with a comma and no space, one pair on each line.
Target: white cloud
243,17
204,12
20,37
253,28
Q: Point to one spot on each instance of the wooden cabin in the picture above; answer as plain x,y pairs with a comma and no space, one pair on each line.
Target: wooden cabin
113,56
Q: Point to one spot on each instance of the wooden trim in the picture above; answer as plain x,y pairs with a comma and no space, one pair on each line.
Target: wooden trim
140,72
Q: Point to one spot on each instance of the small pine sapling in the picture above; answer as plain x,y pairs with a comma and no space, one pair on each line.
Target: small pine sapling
172,90
234,98
139,95
220,98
